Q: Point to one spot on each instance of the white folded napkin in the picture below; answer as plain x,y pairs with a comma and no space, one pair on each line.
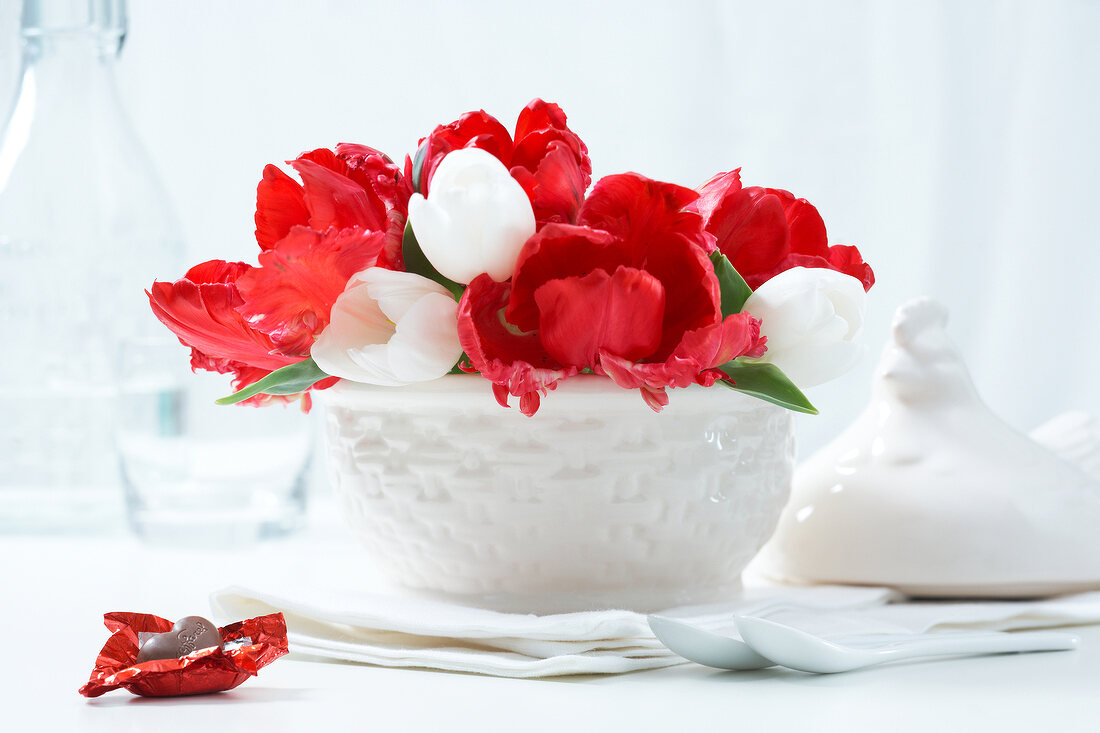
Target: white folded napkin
398,631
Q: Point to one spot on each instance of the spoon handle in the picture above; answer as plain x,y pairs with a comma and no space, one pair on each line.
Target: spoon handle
994,642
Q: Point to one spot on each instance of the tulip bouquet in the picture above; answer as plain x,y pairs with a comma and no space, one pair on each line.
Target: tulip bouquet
490,253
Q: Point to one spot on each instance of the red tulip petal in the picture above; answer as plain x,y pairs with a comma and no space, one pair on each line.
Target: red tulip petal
486,335
290,295
539,115
555,251
765,231
532,148
551,163
539,126
557,186
512,359
808,236
713,192
374,169
712,346
694,360
354,186
500,392
334,200
643,213
280,205
656,398
847,259
477,129
674,371
529,403
757,279
665,240
751,228
620,313
471,130
842,258
692,292
216,271
548,159
202,313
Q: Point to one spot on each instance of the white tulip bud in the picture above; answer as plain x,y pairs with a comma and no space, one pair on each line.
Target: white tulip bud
390,328
812,318
475,219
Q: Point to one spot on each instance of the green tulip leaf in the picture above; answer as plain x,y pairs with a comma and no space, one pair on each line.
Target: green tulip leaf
416,262
456,369
766,382
418,167
735,291
290,379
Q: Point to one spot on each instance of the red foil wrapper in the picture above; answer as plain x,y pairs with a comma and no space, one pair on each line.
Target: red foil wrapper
246,647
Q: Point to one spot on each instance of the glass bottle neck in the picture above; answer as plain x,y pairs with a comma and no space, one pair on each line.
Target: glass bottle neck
79,46
73,40
69,54
105,19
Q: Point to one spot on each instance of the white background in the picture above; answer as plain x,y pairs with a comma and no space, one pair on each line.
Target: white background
955,143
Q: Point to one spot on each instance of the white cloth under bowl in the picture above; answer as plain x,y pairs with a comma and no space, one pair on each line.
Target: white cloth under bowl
407,632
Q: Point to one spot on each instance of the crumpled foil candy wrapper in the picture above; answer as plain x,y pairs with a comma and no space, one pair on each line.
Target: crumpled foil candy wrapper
246,647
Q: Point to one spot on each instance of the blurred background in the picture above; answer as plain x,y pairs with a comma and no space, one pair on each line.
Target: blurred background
955,143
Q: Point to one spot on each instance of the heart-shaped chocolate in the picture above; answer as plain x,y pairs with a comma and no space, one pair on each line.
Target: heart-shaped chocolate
189,634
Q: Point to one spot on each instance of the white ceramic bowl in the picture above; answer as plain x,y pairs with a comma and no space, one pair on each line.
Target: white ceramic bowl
595,502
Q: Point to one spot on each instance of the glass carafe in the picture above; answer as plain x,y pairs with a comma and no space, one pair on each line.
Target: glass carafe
85,227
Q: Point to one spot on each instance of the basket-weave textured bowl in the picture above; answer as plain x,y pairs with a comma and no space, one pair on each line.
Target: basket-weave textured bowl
595,502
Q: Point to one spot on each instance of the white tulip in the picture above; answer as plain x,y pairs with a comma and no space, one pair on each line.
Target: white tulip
812,317
390,328
475,219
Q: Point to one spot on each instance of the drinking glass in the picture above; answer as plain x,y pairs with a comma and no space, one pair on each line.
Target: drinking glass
197,473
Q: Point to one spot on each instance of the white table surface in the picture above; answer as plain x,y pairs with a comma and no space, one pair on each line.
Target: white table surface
55,591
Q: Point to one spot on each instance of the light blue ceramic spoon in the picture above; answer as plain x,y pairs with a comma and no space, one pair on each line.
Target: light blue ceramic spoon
803,651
